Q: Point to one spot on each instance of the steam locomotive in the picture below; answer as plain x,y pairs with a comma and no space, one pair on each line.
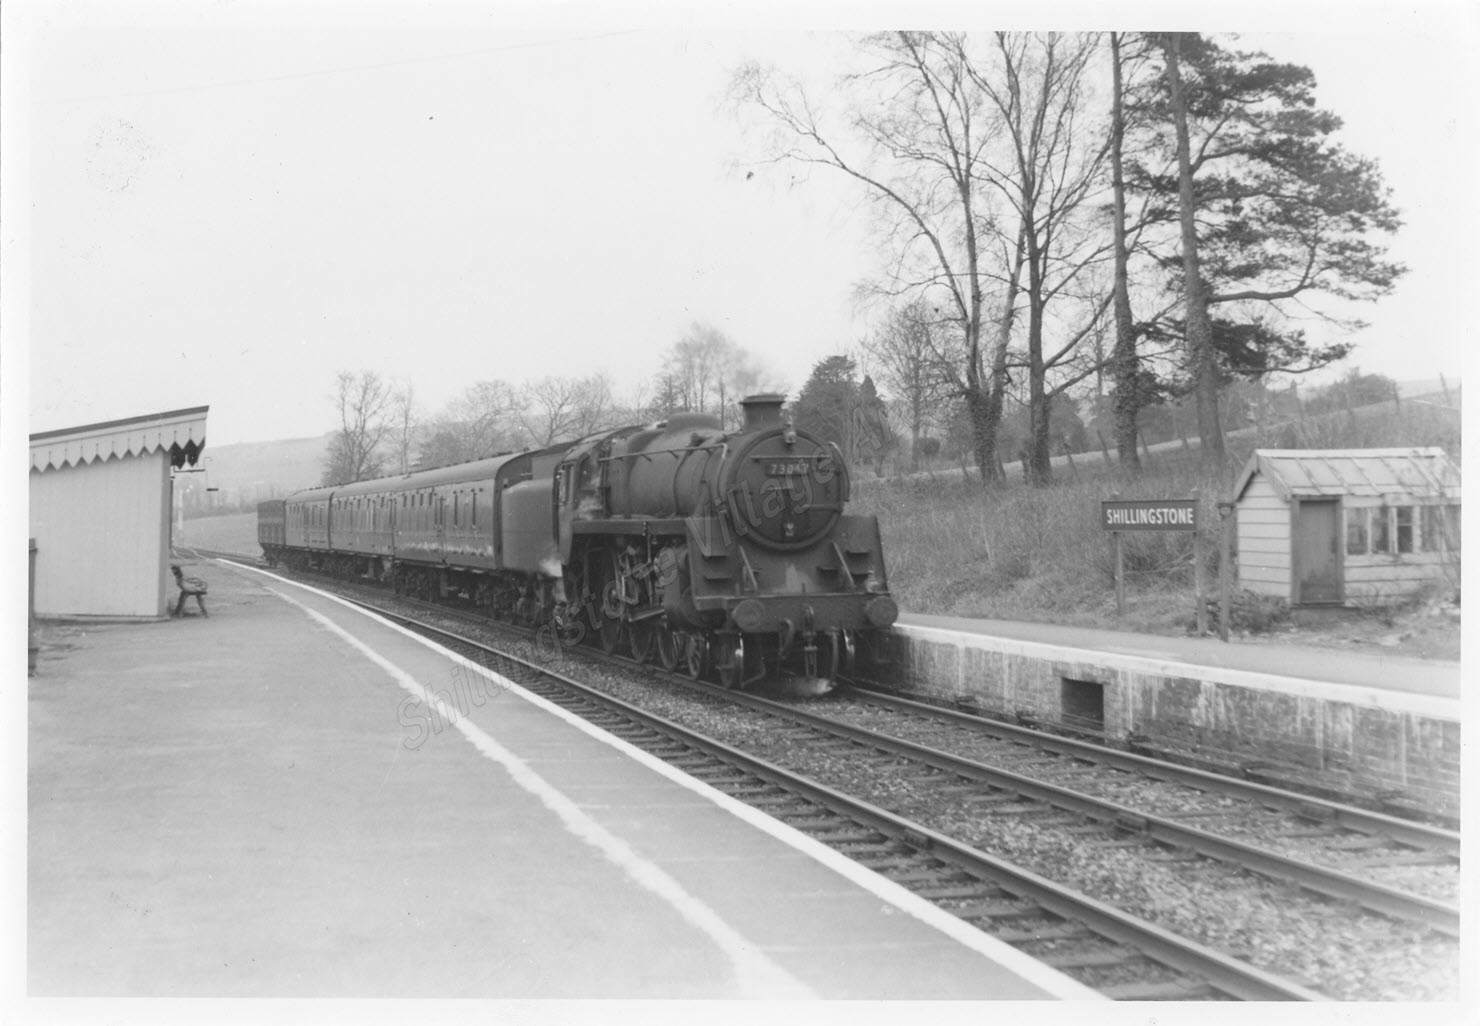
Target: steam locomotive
726,554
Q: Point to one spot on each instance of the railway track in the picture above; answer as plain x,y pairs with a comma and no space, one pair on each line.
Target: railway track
1105,798
1119,955
1395,853
1093,782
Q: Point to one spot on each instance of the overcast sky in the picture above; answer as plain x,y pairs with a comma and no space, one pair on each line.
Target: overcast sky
229,203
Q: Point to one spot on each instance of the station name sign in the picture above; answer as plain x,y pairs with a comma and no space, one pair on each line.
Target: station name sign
1149,514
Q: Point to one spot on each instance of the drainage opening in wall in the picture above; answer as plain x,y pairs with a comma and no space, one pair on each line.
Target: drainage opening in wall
1082,704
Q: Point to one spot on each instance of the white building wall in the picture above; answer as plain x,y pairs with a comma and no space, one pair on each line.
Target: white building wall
1264,540
102,537
1381,580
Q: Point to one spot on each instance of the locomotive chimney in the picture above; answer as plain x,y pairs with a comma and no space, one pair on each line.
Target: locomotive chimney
762,411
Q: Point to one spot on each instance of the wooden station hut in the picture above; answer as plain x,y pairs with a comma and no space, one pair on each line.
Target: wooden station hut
1324,527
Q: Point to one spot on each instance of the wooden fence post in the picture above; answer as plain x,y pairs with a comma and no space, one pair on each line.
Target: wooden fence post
1199,585
1225,568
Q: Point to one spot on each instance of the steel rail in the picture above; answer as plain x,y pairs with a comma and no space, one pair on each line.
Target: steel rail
1329,882
1419,835
1229,975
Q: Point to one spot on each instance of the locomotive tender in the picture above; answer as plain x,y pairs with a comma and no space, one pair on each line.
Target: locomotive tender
719,552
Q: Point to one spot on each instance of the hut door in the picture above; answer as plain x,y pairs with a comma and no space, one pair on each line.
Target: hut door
1317,566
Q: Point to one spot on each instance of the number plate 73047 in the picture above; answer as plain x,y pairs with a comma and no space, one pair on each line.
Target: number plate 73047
787,468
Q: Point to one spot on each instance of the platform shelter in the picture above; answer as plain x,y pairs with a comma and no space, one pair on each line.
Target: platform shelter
100,501
1332,527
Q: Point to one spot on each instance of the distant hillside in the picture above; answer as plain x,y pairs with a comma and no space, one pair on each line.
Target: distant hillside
1432,388
248,472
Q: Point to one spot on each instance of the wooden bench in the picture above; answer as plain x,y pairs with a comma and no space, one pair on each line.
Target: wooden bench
189,586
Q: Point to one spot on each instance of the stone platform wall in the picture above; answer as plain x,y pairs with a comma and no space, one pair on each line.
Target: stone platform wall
1389,749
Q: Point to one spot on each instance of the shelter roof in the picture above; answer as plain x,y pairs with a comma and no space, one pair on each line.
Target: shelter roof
181,433
1400,473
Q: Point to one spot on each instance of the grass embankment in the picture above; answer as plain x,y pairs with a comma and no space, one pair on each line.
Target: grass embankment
1020,553
229,532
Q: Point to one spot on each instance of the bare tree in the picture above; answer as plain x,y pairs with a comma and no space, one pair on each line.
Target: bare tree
924,123
706,372
738,374
558,408
667,397
1048,167
405,424
909,366
696,363
477,423
596,408
364,404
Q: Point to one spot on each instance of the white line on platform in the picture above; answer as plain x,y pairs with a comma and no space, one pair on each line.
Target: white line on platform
757,975
1021,965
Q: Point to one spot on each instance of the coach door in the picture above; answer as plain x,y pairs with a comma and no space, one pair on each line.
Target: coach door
1316,552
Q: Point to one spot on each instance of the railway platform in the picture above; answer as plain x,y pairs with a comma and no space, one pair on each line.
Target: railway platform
264,803
1372,667
1369,727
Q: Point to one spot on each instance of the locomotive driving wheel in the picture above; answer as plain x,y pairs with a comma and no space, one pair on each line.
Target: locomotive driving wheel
605,580
641,640
731,658
837,653
696,656
611,631
669,647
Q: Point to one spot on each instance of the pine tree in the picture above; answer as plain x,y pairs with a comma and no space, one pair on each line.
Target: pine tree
1269,209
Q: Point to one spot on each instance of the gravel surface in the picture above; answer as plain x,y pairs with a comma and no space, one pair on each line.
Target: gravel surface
1240,820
